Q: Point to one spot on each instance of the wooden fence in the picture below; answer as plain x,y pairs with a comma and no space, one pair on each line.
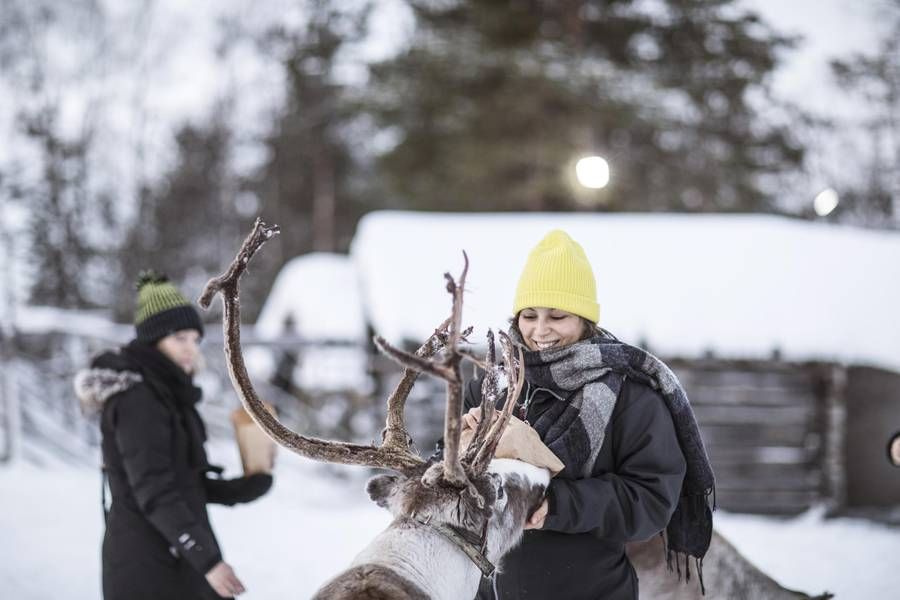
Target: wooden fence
781,436
774,431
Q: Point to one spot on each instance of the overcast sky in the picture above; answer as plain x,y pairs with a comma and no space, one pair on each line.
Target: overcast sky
830,29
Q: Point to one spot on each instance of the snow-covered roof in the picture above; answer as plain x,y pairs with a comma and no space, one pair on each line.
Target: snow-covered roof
319,293
739,285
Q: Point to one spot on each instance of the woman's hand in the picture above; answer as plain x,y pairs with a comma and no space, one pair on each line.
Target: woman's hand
536,520
473,417
223,580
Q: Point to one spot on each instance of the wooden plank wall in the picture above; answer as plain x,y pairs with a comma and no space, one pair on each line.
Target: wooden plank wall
766,429
774,430
873,417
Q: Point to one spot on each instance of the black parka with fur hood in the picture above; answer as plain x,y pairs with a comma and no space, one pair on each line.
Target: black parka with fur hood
158,541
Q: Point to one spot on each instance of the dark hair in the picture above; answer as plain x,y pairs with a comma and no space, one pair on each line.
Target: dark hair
589,328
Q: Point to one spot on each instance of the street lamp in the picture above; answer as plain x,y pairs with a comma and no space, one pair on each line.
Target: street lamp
825,202
592,172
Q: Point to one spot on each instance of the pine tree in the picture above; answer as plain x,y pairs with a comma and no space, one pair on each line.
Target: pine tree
876,80
187,224
69,221
49,168
311,179
492,101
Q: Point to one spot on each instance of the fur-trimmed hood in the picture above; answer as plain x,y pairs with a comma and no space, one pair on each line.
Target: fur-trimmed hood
96,385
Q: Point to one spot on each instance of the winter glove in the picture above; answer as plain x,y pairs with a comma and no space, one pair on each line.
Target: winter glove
235,491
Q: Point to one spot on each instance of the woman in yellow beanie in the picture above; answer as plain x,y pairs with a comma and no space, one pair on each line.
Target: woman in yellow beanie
620,422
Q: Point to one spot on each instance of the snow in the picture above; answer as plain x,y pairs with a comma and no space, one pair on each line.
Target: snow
742,286
318,295
851,558
313,523
310,525
82,323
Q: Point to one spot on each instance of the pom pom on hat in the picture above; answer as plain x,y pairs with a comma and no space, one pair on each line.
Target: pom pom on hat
558,275
149,276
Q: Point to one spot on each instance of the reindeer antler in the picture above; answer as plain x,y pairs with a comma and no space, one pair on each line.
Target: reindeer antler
490,390
514,368
394,453
446,367
395,433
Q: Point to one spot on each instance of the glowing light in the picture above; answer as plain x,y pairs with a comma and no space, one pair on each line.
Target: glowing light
825,202
592,172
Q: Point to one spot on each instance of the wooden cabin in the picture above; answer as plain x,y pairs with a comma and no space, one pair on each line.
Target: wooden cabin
782,331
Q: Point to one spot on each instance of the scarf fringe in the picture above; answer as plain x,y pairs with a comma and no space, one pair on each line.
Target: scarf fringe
700,576
675,557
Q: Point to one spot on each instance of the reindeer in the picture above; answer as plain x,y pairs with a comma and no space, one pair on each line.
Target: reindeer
728,573
453,519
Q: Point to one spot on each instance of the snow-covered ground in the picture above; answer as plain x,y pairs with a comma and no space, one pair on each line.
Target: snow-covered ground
284,545
313,522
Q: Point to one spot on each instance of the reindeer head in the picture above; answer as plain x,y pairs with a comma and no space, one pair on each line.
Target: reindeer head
466,489
458,490
508,492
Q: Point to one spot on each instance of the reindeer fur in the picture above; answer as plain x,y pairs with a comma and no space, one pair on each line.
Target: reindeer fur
411,561
727,573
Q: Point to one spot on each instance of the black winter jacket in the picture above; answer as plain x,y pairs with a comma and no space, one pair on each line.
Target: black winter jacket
158,541
579,554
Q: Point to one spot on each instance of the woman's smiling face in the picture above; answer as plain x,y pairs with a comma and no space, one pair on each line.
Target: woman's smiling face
544,328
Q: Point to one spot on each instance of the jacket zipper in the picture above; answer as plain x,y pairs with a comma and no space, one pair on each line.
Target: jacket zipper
529,396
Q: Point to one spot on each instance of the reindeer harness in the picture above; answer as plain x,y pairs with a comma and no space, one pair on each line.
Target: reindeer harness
469,542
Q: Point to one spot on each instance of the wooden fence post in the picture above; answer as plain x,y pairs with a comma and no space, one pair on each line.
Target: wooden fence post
12,409
835,436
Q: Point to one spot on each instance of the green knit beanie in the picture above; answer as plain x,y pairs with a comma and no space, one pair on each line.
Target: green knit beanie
162,309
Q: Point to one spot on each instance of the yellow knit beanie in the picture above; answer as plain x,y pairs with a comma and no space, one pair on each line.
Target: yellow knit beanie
558,275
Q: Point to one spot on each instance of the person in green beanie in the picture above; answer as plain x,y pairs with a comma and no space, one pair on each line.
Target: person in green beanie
158,541
621,424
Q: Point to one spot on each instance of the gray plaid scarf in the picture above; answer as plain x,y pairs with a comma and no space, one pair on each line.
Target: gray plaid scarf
588,375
